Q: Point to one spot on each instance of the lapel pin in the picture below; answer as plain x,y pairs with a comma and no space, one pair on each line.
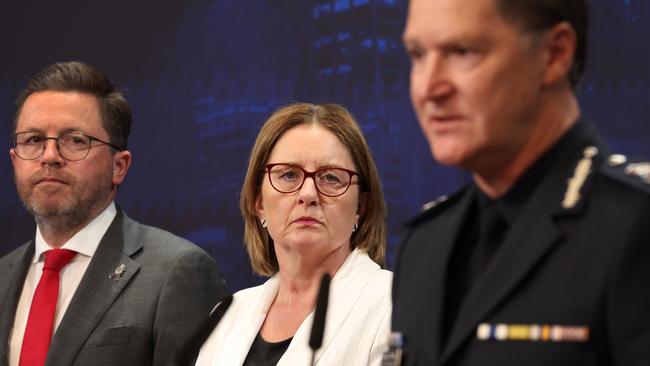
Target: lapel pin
119,272
575,183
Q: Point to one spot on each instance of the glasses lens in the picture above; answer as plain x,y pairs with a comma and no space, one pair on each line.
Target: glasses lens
74,146
332,181
29,145
286,178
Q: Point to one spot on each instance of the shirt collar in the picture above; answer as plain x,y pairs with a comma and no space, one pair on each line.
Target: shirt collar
84,242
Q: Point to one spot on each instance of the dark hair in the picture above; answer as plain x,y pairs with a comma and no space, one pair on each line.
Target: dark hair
75,76
371,234
536,15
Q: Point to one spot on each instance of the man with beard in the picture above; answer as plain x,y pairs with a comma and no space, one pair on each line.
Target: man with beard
93,287
543,259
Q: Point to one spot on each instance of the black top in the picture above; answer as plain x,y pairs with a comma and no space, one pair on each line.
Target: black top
488,222
263,353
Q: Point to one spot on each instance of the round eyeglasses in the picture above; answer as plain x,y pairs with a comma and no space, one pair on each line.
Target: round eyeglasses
71,146
329,181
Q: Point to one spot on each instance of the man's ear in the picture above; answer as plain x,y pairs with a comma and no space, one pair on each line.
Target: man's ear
121,164
560,45
12,155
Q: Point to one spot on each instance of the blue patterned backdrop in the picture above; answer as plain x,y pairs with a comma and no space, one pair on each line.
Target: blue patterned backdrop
203,75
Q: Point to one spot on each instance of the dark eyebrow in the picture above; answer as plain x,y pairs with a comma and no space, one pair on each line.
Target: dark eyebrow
62,132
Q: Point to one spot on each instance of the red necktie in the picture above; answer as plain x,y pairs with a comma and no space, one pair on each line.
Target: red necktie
40,322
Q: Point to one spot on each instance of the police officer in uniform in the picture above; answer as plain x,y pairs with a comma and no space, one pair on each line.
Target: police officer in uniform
544,259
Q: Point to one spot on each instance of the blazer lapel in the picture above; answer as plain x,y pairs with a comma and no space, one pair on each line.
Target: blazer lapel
349,280
98,289
244,335
13,287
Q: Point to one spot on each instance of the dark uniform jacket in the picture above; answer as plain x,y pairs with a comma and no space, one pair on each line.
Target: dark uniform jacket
569,285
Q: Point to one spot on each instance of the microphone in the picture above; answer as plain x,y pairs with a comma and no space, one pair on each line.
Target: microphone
318,326
189,351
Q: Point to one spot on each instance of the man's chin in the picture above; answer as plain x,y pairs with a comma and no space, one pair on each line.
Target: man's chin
49,210
447,157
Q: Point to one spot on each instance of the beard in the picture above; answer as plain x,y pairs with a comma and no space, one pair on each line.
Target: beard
61,210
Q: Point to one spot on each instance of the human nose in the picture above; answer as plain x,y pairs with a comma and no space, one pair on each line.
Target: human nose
308,193
431,80
51,154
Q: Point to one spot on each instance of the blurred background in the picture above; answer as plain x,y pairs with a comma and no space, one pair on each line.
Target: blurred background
203,75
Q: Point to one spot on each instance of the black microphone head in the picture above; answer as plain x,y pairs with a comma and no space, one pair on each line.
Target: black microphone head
318,326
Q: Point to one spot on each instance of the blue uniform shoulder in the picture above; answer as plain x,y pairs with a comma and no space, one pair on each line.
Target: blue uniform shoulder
634,175
434,208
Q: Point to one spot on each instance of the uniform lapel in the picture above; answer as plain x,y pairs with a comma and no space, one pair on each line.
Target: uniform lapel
97,291
12,287
524,247
531,237
442,239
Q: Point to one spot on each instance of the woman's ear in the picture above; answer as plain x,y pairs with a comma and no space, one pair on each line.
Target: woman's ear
362,205
259,207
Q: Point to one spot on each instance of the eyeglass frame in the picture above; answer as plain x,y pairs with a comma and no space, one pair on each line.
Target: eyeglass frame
58,147
307,174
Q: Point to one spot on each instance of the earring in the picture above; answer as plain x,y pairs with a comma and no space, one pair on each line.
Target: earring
263,222
355,227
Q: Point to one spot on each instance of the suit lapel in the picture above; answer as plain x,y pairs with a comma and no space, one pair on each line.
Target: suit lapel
12,287
97,291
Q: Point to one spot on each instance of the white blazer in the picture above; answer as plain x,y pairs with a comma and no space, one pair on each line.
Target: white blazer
356,330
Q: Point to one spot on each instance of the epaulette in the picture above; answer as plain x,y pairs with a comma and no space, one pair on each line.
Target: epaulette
635,174
433,208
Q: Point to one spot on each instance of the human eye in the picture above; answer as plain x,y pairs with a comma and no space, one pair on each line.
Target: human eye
415,53
333,177
74,140
31,139
463,56
287,173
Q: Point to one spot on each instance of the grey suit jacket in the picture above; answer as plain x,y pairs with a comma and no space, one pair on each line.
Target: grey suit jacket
139,318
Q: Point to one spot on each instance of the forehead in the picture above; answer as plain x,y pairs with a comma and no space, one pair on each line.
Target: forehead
311,146
449,20
55,111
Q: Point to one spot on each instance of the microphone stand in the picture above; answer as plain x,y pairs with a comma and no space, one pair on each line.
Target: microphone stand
318,326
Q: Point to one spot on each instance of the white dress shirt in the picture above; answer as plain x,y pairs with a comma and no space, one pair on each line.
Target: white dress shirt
85,243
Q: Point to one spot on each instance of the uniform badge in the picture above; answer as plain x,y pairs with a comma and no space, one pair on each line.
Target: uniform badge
575,183
532,333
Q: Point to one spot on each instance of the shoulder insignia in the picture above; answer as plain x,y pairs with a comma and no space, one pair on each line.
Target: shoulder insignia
635,173
641,170
433,208
616,160
431,204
